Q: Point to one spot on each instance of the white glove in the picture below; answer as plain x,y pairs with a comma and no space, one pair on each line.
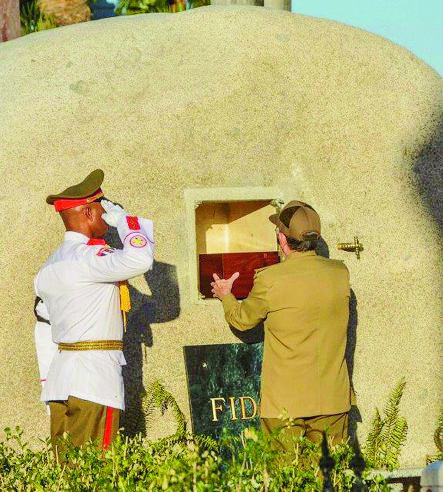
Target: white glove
113,213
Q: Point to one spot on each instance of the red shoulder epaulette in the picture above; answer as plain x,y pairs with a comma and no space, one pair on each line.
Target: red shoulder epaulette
133,223
96,242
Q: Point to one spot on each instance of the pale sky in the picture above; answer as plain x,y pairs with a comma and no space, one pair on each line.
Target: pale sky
414,24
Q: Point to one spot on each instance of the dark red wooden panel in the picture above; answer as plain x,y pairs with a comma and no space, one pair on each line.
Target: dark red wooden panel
229,263
209,264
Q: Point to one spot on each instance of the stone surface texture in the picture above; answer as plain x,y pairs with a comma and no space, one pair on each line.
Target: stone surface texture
229,97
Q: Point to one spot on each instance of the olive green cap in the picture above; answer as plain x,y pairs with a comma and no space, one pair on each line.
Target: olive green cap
88,187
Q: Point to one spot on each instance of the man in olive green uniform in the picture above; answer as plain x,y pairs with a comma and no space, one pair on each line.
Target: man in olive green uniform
304,302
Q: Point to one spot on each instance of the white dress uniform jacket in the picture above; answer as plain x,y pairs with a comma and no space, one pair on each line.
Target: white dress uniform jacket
45,347
79,288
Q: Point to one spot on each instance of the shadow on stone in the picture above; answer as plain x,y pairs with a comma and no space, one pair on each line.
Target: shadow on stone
354,413
161,306
351,342
428,168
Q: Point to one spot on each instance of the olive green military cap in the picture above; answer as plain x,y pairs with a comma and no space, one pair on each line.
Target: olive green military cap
85,192
298,220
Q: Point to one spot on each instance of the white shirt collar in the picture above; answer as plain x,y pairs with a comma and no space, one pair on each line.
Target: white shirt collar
76,236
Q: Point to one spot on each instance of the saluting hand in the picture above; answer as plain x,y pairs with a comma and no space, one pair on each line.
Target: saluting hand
221,286
113,213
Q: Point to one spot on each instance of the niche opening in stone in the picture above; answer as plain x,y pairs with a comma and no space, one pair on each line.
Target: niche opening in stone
234,236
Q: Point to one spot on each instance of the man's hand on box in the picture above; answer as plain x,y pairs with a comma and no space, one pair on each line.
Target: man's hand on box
221,286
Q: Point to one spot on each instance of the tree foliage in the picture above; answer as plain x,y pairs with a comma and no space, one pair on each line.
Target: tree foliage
32,19
131,7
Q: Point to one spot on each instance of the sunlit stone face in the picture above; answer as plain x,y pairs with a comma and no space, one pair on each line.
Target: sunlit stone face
217,99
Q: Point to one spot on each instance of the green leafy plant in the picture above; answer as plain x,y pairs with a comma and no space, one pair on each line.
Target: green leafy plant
157,397
136,464
131,7
388,433
199,3
438,440
32,19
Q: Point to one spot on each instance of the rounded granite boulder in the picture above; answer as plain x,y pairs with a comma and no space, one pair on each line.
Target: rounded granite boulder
230,102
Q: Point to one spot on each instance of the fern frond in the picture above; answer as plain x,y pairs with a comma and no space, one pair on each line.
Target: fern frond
392,408
148,407
387,434
396,440
178,415
377,425
159,398
207,442
440,419
438,440
395,397
438,434
374,436
430,458
399,433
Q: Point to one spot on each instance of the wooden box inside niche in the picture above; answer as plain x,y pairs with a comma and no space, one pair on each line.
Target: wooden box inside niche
234,237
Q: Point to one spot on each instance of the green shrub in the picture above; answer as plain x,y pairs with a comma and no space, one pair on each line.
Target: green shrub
388,433
238,464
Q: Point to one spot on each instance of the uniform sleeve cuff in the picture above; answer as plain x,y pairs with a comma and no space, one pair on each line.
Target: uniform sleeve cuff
228,301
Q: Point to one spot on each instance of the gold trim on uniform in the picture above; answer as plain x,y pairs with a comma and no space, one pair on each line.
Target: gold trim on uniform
93,345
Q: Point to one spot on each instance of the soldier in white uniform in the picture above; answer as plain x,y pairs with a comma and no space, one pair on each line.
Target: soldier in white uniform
80,303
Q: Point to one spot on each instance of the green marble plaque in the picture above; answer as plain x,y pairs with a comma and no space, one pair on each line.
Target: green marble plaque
224,386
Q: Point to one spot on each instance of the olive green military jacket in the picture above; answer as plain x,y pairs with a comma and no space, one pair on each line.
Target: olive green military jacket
304,302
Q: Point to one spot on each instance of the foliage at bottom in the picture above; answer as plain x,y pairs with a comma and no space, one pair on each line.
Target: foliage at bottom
245,463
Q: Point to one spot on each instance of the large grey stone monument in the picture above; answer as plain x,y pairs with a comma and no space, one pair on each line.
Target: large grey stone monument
222,113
